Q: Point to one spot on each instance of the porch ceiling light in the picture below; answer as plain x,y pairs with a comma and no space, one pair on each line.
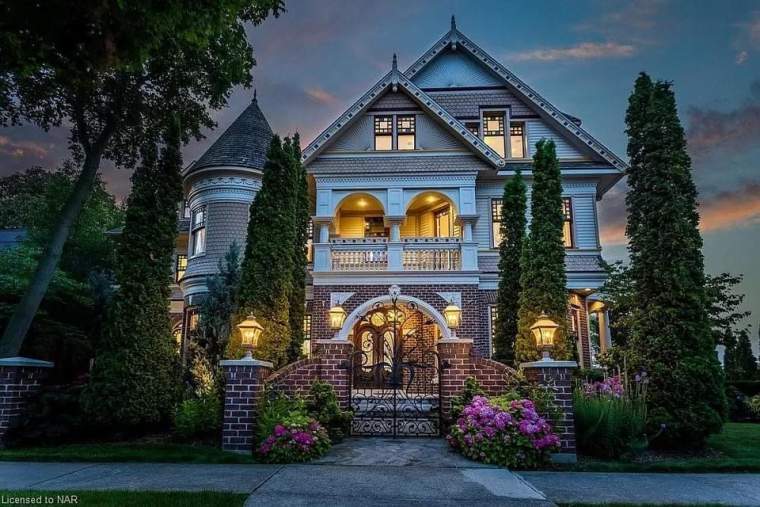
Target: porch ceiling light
543,332
453,315
337,317
250,331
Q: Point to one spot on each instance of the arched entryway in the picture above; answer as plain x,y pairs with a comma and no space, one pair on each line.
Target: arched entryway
395,371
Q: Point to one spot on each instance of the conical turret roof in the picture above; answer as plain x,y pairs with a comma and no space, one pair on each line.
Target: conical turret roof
243,144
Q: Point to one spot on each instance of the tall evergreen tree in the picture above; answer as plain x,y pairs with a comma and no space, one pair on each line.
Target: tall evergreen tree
266,281
744,360
135,379
301,216
514,206
670,329
543,279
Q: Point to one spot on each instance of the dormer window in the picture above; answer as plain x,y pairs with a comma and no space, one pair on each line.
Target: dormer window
405,132
493,131
517,139
383,133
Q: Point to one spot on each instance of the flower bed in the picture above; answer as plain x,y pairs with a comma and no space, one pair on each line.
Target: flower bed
294,443
509,433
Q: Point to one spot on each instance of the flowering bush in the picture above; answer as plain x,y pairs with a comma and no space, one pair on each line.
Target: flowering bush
294,442
511,435
610,386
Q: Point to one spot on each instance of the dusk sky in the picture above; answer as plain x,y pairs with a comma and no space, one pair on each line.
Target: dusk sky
321,55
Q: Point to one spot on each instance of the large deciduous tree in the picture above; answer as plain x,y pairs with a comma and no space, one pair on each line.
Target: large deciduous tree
543,280
135,379
115,72
670,328
513,220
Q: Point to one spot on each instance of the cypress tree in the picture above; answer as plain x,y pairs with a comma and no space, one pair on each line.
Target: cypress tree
267,272
514,206
543,280
135,380
746,364
670,329
297,304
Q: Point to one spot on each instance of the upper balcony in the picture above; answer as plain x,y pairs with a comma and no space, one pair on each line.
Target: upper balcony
361,237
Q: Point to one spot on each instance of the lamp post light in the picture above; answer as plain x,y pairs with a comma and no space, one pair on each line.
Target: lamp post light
250,331
453,315
543,331
337,317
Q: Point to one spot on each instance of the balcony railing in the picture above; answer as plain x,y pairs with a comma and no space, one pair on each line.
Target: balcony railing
409,254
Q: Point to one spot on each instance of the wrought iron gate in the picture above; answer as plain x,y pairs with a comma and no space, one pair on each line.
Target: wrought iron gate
395,381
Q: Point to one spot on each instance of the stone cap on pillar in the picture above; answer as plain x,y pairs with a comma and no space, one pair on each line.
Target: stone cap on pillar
25,361
455,340
549,364
246,362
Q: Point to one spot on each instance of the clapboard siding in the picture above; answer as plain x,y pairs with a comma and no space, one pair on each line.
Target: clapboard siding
584,221
538,130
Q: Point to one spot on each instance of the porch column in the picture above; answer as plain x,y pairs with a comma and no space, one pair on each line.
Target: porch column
395,245
605,337
469,251
322,259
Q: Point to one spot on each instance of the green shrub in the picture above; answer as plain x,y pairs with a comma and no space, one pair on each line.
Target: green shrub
608,426
754,406
471,389
748,387
322,405
198,417
277,409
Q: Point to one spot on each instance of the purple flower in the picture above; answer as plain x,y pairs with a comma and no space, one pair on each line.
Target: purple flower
280,430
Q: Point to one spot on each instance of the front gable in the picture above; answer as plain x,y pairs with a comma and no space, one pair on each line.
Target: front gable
455,69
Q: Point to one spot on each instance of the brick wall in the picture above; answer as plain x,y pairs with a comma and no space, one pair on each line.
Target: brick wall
560,378
243,391
18,383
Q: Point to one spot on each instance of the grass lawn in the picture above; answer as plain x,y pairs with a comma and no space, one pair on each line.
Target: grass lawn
735,449
130,498
126,452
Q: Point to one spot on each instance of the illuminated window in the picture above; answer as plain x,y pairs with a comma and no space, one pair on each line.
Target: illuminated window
496,205
198,231
192,319
567,226
443,225
493,131
307,326
473,127
309,239
517,140
493,313
405,132
383,133
180,267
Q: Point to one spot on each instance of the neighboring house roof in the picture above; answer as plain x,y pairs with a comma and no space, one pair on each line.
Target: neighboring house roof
244,144
11,238
395,81
568,124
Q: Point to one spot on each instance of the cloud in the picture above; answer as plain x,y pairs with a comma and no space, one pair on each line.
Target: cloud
582,51
741,57
710,131
638,21
18,149
320,96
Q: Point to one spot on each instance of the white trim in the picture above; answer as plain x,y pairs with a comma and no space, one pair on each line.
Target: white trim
362,309
549,364
25,361
399,277
246,362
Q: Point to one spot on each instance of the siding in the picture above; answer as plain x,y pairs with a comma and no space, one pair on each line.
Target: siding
538,130
584,221
409,227
455,69
351,227
426,224
432,136
358,137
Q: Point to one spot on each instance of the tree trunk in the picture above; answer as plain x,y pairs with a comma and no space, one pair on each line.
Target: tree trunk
21,320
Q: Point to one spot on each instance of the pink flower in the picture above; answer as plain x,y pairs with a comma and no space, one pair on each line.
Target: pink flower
280,430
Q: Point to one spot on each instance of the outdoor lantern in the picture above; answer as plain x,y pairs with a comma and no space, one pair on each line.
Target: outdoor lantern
543,332
453,315
250,331
337,316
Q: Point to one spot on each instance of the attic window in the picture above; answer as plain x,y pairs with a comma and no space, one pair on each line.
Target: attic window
383,133
405,130
517,139
493,131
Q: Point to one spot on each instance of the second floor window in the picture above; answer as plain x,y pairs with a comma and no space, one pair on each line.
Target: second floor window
180,267
198,231
493,131
517,139
383,133
496,205
567,226
405,132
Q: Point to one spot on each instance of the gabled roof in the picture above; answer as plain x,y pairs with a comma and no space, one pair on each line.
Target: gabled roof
568,124
395,81
243,144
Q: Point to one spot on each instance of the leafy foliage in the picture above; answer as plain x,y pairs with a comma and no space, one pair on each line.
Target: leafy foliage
297,300
293,442
723,302
135,378
322,405
670,328
543,280
199,417
739,362
514,205
471,389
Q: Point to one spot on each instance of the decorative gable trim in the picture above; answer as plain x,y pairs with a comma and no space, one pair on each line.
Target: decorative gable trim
457,40
395,80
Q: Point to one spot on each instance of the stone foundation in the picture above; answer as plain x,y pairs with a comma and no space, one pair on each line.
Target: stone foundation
20,379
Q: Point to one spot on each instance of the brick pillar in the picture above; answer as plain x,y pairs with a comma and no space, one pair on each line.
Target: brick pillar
243,390
559,376
334,366
20,379
455,356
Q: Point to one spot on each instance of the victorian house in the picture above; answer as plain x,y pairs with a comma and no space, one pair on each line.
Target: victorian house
406,186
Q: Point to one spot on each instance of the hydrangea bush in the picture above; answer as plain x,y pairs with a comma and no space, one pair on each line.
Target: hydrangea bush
509,435
294,443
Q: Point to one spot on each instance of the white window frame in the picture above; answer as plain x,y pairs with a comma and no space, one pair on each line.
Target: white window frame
506,111
491,200
194,228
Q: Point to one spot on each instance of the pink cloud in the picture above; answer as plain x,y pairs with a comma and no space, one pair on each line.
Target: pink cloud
320,96
582,51
18,149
